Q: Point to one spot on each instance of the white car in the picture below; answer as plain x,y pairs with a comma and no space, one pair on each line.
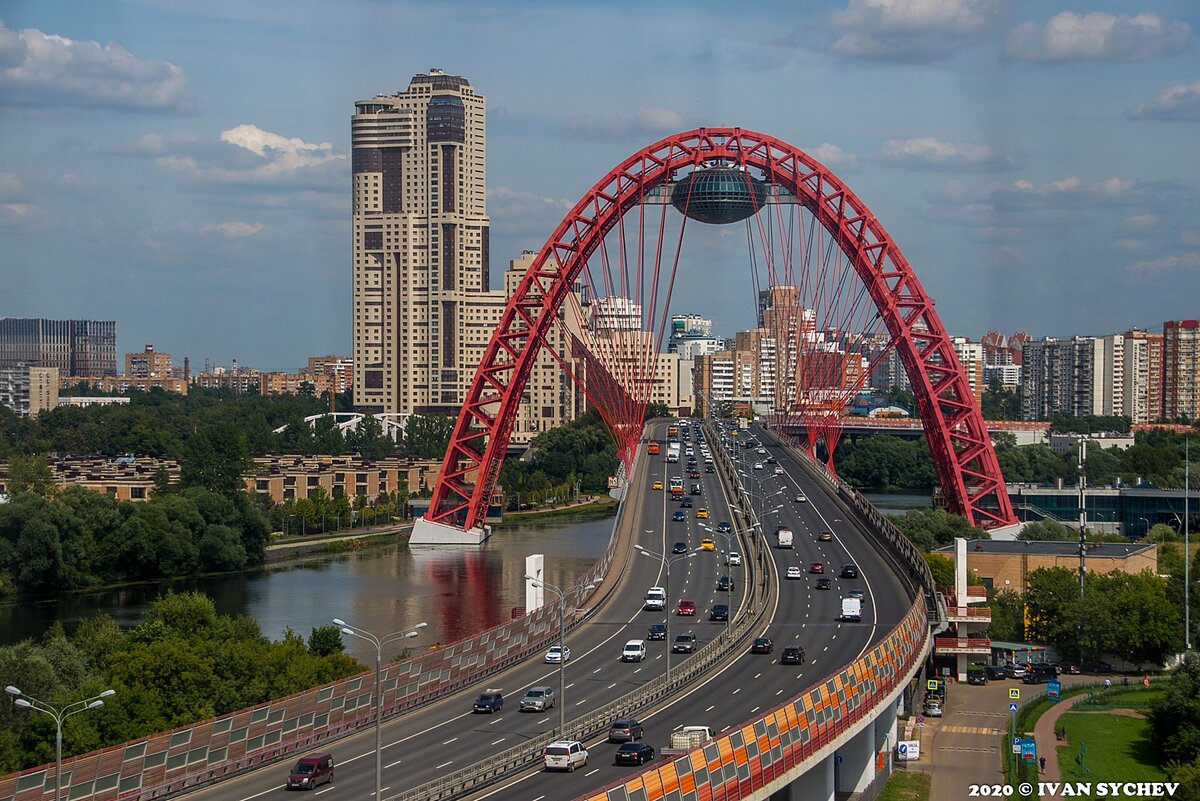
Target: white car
758,466
734,558
794,572
556,655
634,651
801,498
761,451
779,471
565,755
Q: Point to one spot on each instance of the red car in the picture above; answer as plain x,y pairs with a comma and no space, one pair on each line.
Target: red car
816,567
686,609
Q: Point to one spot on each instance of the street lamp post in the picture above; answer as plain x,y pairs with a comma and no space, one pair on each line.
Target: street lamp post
29,702
562,661
667,562
378,642
1145,528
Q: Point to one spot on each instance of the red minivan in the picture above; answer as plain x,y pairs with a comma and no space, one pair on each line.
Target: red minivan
311,771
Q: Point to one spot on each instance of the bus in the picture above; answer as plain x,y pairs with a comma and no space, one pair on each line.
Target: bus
672,431
655,448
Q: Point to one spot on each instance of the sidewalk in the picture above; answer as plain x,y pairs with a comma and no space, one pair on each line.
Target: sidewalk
1043,733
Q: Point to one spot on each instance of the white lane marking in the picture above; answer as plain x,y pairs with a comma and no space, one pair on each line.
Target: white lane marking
752,711
543,720
597,670
444,764
451,740
738,690
394,764
497,742
494,722
711,708
584,701
756,675
639,670
779,692
569,686
319,792
614,684
593,770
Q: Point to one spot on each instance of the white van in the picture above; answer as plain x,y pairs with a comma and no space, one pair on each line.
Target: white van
565,755
635,651
656,599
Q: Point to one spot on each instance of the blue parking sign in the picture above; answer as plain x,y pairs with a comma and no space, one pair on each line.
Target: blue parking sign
1054,689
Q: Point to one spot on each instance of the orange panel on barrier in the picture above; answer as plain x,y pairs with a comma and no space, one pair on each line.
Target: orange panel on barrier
652,782
698,759
687,783
726,749
669,777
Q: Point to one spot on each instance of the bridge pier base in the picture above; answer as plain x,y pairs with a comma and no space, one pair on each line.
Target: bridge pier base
815,785
857,761
427,532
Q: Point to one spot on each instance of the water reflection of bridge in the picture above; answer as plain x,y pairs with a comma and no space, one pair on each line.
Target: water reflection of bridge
1027,433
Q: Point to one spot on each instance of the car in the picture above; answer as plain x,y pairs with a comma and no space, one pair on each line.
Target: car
657,631
932,709
311,771
719,612
825,536
679,516
779,471
1096,666
995,672
694,474
684,643
680,547
1015,671
708,468
565,755
625,730
794,572
824,584
761,451
816,568
792,655
490,701
1038,673
758,465
734,558
801,498
656,599
686,608
858,593
634,754
724,527
762,645
658,485
537,699
701,513
770,460
707,544
696,490
725,584
634,651
558,654
977,676
849,571
685,502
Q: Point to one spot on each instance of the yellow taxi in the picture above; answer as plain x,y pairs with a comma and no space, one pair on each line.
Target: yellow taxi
707,544
701,513
656,485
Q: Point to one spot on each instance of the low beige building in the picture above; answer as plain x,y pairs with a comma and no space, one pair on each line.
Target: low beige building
292,476
1006,564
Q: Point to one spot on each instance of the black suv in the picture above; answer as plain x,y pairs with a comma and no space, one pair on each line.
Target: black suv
658,631
849,571
719,612
625,730
725,584
1039,673
684,643
792,655
762,645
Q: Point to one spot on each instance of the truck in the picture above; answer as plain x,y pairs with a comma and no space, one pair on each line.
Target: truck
654,448
685,738
851,609
785,537
672,451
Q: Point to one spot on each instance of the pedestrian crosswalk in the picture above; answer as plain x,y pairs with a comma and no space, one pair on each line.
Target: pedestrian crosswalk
966,748
972,730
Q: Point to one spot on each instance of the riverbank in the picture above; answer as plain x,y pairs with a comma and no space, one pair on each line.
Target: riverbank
597,505
291,547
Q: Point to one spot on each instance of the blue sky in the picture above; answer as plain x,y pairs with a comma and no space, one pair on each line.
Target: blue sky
183,167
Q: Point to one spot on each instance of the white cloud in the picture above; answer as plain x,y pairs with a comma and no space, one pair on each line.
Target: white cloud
1098,36
913,30
1190,238
648,121
1167,264
10,185
833,156
1180,102
1141,222
927,152
44,70
245,154
234,229
14,215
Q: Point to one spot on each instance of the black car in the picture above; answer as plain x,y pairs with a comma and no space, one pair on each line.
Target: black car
719,612
725,584
724,527
977,676
680,547
686,503
1096,666
762,645
684,643
824,584
658,631
792,655
708,468
625,730
995,672
1039,673
849,571
634,754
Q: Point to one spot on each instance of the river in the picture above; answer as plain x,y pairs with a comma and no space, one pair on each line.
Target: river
383,588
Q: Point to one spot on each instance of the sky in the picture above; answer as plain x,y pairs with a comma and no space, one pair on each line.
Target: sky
183,168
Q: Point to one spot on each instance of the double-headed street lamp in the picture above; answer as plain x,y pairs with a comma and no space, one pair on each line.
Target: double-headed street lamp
29,702
378,642
562,652
667,562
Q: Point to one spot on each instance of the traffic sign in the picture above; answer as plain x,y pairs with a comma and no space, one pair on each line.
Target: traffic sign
931,684
1012,707
837,760
1014,693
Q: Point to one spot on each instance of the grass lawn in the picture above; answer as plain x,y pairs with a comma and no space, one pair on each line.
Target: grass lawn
906,785
1117,749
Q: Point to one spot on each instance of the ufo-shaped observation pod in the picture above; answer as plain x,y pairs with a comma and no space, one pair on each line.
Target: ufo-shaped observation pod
719,195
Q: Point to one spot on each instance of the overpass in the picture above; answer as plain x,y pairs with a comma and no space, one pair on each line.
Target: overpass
854,674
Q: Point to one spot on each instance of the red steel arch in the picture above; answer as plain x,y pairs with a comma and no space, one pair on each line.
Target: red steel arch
962,452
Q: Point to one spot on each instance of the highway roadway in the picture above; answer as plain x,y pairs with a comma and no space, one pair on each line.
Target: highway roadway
444,737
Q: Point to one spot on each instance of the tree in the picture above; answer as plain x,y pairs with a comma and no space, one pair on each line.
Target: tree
999,403
369,441
1175,717
215,458
936,528
427,436
31,474
326,640
1008,616
1046,530
942,568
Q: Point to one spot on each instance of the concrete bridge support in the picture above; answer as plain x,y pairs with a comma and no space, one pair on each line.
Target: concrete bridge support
815,785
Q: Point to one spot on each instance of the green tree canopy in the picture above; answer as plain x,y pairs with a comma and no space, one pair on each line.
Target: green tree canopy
936,528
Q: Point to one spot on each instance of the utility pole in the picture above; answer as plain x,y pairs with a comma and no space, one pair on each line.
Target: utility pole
1082,511
1187,554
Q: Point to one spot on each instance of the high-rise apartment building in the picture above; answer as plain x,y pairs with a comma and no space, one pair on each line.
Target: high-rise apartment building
1057,375
27,390
1145,367
1181,370
421,244
148,364
970,356
75,347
